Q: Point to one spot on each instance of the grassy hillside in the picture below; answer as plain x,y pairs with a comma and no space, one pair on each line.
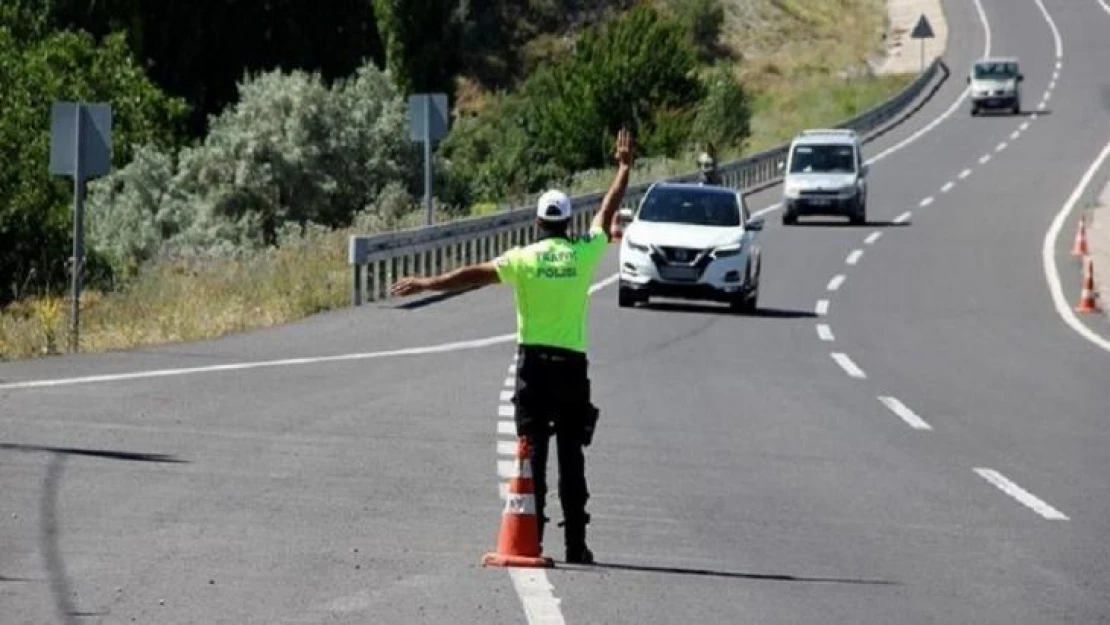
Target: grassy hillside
805,63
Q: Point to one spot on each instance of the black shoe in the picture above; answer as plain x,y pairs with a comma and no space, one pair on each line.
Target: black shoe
580,554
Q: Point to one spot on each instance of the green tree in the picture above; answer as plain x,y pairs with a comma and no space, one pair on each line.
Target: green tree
35,208
422,41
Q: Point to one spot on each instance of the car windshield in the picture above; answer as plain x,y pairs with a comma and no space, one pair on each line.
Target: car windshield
995,70
812,159
689,206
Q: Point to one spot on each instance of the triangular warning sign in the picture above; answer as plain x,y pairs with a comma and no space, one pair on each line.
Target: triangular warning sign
923,30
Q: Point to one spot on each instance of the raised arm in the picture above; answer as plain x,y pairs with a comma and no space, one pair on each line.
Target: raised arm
615,195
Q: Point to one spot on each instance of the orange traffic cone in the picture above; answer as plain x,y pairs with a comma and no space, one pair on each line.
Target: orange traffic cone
1080,246
1088,298
518,543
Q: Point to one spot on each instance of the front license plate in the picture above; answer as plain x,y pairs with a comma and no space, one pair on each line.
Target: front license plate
679,273
820,201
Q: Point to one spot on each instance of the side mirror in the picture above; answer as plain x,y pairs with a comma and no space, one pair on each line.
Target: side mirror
864,170
755,223
969,80
1020,77
625,215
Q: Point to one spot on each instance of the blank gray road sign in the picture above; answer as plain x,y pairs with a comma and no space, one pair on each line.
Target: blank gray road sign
96,139
438,115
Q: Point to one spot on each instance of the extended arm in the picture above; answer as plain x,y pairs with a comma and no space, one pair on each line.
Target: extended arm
471,276
613,197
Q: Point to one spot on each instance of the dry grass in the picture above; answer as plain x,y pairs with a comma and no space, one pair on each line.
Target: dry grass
804,60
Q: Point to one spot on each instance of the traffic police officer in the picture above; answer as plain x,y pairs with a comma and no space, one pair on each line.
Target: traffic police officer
551,279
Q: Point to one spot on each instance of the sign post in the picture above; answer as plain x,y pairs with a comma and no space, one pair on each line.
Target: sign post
428,120
81,147
922,31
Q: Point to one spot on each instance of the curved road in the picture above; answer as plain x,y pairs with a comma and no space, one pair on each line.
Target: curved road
931,447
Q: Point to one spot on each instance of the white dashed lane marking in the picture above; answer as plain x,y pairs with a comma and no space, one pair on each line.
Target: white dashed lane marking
506,428
854,257
1022,495
835,283
822,308
904,413
871,238
505,411
927,201
824,332
1024,126
1014,135
1000,147
947,187
965,173
984,158
506,448
849,367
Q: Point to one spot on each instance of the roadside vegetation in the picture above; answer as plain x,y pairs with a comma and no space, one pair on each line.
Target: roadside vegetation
234,191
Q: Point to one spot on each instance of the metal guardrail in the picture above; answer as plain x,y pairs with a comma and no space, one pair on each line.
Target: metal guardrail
377,261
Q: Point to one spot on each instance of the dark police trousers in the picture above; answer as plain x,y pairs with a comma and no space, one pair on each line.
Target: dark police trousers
553,397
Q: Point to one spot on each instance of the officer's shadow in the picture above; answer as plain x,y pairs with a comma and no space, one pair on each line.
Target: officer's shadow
670,570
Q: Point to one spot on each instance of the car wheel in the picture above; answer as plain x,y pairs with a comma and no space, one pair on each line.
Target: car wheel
974,111
789,219
860,216
626,298
1017,108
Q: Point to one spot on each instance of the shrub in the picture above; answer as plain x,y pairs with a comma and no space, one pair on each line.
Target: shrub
291,150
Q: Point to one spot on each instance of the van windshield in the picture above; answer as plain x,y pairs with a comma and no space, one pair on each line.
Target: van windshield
995,70
823,159
691,206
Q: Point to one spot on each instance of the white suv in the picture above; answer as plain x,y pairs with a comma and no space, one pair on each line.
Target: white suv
825,175
690,241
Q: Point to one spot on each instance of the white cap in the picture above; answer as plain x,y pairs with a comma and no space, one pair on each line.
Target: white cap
553,205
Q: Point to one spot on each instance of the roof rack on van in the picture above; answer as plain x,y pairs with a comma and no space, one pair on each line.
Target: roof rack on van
847,132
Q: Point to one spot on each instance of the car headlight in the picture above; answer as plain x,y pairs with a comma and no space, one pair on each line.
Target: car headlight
728,250
639,247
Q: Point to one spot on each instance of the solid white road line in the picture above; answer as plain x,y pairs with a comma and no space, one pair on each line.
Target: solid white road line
1022,495
871,238
927,201
824,332
849,367
1055,32
1048,255
822,308
903,218
836,281
903,412
541,607
965,173
854,257
947,186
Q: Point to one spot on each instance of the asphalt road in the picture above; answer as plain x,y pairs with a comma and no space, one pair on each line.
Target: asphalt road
741,473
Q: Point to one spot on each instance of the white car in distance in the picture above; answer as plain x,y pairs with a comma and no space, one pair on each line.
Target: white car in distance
693,242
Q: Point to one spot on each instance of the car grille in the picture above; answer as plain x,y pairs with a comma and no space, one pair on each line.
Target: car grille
819,192
680,264
680,255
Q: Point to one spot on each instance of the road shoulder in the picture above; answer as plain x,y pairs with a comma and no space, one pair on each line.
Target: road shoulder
903,54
